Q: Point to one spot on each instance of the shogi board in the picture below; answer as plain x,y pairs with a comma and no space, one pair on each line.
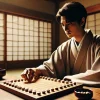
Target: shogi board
43,89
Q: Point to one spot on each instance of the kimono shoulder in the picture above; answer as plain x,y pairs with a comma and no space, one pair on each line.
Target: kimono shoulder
96,39
64,45
96,51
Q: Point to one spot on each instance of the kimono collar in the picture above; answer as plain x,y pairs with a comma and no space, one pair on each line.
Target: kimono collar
87,31
86,41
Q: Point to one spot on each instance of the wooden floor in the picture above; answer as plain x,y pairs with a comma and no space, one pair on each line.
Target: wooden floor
10,74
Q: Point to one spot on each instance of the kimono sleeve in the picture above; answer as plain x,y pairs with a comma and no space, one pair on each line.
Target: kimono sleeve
96,64
56,65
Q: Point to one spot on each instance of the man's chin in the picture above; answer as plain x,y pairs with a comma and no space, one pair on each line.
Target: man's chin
69,35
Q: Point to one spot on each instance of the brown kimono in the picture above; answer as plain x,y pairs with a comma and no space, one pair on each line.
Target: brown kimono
68,60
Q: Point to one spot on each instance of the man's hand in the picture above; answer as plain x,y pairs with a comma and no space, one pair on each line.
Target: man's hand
31,74
67,78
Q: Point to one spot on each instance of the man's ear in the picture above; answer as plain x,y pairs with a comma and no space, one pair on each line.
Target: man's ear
82,21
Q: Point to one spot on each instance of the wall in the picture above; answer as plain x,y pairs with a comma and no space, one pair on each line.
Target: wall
86,3
37,5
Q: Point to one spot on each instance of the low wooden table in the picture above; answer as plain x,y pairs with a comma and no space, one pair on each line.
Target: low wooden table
4,95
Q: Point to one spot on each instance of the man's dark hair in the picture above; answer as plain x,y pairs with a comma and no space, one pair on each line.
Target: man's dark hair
73,11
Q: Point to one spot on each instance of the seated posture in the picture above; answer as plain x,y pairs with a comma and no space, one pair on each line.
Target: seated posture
78,54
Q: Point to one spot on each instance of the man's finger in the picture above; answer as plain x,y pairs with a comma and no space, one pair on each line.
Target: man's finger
24,76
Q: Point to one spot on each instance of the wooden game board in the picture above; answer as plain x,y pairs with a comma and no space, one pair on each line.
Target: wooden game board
43,89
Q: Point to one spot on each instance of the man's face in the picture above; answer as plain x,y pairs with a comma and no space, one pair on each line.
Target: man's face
72,29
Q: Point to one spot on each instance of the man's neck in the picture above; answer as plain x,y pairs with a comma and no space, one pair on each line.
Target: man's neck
79,37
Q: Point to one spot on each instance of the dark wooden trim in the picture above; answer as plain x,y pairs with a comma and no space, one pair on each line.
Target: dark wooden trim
56,1
56,29
13,9
5,40
24,64
93,9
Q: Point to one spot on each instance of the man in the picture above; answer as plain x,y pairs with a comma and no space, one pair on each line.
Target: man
79,54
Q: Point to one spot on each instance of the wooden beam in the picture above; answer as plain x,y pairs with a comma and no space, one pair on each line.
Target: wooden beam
93,9
56,1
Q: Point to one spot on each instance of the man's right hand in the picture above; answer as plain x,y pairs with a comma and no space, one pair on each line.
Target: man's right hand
31,74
